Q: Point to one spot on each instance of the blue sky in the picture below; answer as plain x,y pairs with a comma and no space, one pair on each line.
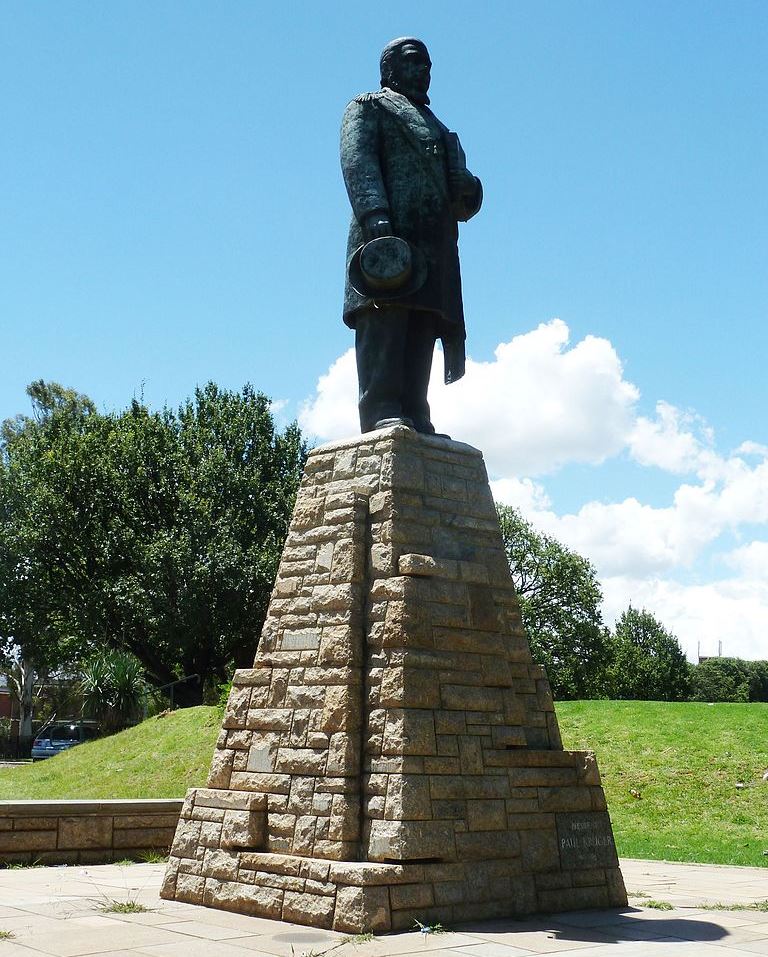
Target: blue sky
173,212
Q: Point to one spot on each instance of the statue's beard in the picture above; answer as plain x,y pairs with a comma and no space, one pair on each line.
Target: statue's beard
415,96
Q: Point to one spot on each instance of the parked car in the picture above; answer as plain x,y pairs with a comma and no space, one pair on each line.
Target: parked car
61,736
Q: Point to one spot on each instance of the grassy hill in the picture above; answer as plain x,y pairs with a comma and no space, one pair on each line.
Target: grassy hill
684,760
161,757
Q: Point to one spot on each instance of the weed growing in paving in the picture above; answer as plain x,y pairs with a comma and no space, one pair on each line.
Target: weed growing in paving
354,939
429,928
153,857
658,905
123,907
756,905
7,935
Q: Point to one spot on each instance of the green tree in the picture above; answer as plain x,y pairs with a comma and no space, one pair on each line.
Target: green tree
647,661
560,606
31,640
155,532
729,679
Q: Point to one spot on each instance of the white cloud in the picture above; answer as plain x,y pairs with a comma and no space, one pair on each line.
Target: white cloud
670,442
332,412
541,403
536,406
751,561
733,611
525,494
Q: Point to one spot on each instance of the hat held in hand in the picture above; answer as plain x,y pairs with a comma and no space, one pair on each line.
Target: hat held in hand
387,268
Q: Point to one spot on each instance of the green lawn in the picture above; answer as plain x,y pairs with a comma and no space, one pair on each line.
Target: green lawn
684,760
160,758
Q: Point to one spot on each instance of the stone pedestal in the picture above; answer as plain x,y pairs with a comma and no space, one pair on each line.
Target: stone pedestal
394,753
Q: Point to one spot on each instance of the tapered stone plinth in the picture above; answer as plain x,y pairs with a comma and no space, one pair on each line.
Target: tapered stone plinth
394,752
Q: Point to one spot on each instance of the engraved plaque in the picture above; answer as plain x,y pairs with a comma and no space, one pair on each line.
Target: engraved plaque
586,840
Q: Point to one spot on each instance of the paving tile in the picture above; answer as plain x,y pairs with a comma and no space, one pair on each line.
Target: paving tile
280,944
55,910
201,948
9,948
151,917
78,941
489,949
25,924
746,947
111,953
246,924
206,931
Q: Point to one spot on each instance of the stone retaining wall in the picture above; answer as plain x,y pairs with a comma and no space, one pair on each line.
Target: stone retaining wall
85,832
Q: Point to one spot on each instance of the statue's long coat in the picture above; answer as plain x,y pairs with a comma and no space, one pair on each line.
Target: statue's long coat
394,159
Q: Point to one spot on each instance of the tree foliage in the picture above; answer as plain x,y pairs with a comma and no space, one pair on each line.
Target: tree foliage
729,679
155,532
646,660
560,605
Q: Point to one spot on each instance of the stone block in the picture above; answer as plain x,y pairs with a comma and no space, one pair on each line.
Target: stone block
408,798
220,864
489,815
13,841
487,845
24,823
244,898
574,898
221,768
406,687
244,829
251,677
190,888
586,840
539,847
362,910
244,781
573,798
308,908
411,841
417,565
341,709
237,800
237,707
186,839
471,698
343,755
411,895
85,831
409,731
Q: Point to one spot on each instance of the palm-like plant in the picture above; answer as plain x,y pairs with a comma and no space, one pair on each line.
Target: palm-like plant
113,686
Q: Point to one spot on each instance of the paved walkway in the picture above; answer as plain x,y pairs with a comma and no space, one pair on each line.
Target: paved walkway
61,911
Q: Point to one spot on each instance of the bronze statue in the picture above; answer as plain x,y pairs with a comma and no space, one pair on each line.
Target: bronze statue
409,187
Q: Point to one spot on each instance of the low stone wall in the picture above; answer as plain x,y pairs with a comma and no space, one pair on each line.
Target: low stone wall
85,832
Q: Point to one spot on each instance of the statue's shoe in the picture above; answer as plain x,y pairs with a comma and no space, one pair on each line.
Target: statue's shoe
426,428
395,420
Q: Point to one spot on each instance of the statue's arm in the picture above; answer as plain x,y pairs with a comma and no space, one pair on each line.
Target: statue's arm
361,166
468,195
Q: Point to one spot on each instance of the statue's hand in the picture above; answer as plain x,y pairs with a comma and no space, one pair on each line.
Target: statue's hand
376,224
462,182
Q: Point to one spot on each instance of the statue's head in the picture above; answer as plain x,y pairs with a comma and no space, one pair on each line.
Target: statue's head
405,68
